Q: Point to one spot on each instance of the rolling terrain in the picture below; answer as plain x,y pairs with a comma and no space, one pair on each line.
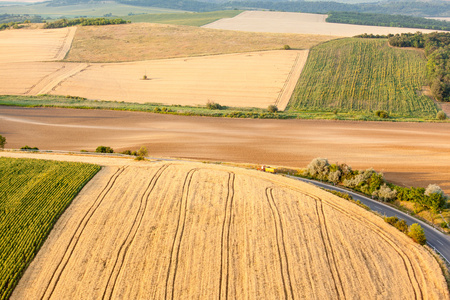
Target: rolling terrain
185,230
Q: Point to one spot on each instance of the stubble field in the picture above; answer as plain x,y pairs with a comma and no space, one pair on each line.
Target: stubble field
288,22
246,79
189,230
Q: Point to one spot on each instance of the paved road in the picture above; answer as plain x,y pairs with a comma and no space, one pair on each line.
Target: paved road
435,238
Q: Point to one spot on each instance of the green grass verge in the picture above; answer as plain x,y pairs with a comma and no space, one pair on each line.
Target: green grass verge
361,76
190,19
33,194
225,112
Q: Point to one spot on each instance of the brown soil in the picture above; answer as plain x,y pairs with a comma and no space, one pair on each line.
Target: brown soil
412,154
189,231
143,41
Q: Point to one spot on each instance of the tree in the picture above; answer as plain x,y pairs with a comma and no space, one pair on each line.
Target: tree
2,142
142,152
104,149
319,168
417,234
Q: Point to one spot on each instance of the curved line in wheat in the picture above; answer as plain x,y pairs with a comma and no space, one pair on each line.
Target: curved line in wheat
175,251
78,232
121,255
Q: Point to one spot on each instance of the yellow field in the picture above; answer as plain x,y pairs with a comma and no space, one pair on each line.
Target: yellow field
299,23
188,230
250,79
28,45
256,79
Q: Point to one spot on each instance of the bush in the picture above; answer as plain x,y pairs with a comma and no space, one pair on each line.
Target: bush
142,152
157,110
2,142
126,152
104,149
139,158
213,105
318,168
401,225
444,225
391,220
417,234
382,114
26,147
441,115
287,47
272,108
385,193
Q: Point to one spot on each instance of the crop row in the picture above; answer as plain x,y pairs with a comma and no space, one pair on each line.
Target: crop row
363,75
33,194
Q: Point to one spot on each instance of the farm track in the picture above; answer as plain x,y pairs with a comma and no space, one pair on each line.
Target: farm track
52,80
175,251
66,43
281,245
226,239
79,231
119,260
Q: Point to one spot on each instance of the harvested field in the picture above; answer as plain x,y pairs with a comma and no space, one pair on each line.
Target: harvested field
256,79
287,22
28,45
189,230
411,154
143,41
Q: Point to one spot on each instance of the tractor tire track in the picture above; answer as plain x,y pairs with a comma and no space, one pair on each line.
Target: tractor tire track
281,245
405,258
119,260
175,251
53,282
418,293
226,240
329,250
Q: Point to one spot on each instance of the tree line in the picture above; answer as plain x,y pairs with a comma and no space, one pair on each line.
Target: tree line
84,22
387,20
437,50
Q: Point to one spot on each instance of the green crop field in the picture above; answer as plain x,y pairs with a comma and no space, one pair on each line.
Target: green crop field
363,76
33,194
190,19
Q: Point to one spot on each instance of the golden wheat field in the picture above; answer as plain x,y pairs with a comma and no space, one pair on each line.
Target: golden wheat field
249,79
179,230
255,79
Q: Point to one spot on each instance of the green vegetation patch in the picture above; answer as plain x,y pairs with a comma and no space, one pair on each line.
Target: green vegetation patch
386,20
33,194
363,76
190,19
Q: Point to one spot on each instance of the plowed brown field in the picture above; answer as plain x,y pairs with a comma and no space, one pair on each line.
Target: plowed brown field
188,231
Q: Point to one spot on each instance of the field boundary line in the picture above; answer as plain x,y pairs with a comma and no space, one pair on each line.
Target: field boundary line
291,81
123,250
78,232
225,250
281,245
176,245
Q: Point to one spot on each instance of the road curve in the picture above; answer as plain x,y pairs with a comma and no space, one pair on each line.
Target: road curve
435,238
